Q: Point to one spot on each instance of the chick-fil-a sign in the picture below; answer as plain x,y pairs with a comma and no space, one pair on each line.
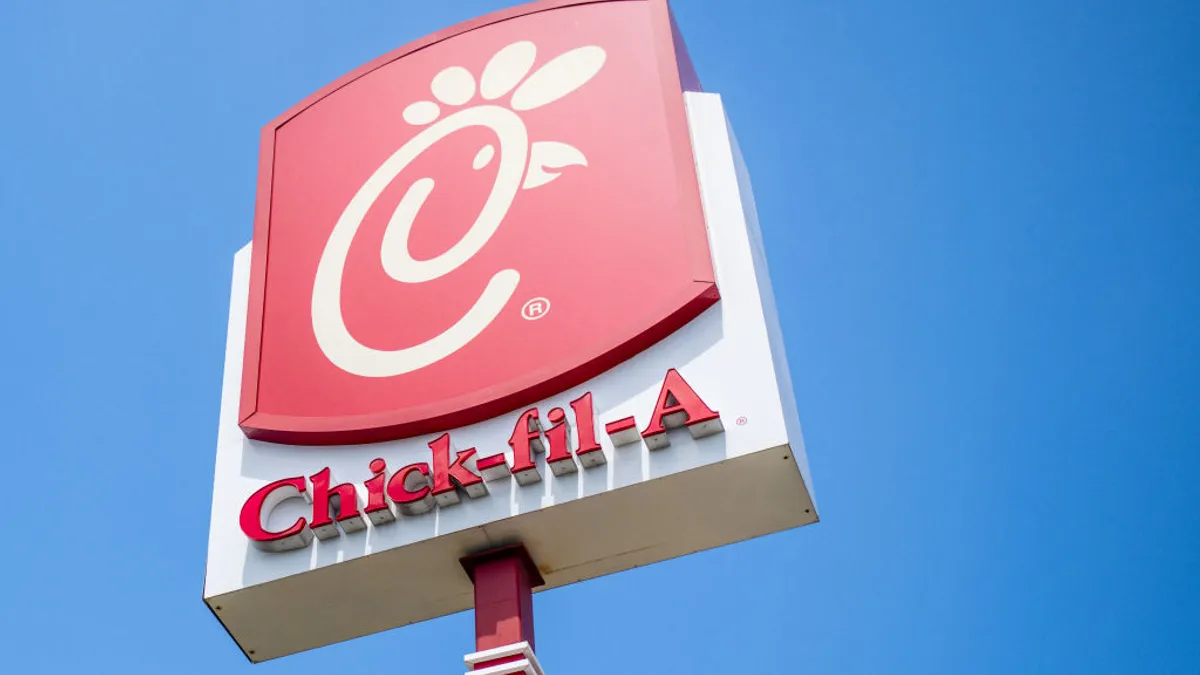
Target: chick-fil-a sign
463,229
419,487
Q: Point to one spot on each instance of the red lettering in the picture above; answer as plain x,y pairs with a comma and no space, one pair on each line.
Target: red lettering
259,506
447,474
590,454
333,506
417,488
560,459
410,489
525,440
678,405
378,509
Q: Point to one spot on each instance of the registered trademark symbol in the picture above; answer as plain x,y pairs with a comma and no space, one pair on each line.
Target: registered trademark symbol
741,421
535,309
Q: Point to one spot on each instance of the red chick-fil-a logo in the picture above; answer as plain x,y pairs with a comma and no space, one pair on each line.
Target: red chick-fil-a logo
418,488
522,165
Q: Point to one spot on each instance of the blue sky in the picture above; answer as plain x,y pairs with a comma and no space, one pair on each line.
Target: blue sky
983,221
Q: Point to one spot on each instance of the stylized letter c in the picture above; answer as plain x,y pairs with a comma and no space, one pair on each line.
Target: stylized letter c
329,325
259,506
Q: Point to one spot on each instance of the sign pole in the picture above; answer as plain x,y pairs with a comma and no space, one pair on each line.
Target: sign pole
504,580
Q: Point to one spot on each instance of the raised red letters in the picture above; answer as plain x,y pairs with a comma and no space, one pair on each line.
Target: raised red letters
378,509
560,459
447,474
339,501
410,489
258,508
417,488
678,405
590,453
526,439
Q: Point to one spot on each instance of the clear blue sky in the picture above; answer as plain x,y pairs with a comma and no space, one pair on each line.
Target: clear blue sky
983,221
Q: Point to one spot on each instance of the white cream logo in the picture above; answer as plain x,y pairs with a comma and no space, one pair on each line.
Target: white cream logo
536,164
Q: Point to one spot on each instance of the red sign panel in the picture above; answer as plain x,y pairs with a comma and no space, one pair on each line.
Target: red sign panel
474,222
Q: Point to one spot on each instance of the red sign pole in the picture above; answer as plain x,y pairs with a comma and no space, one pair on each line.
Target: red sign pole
504,580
